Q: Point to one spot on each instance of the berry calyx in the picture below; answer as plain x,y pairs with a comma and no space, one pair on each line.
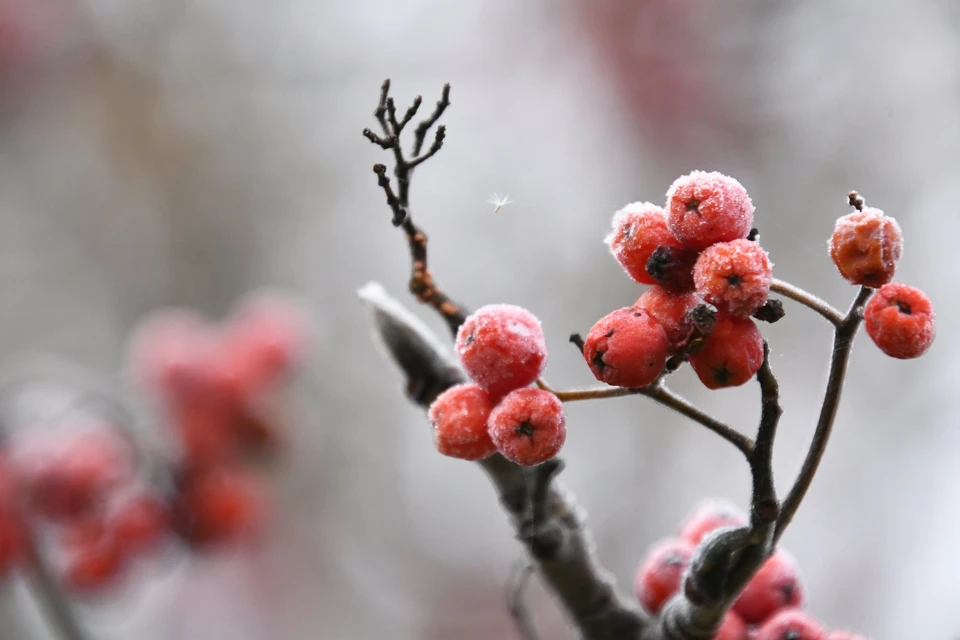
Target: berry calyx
658,578
734,276
706,208
671,311
901,321
791,624
459,419
626,348
865,247
638,230
731,354
709,516
502,348
775,586
672,268
528,426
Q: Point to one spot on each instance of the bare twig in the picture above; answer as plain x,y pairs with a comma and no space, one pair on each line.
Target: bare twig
842,347
808,300
551,528
516,604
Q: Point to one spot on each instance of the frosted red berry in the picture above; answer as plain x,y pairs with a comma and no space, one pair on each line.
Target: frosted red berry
791,624
671,267
901,321
93,566
731,354
709,516
638,230
706,208
734,276
219,505
775,586
658,578
459,418
626,348
866,246
502,348
732,628
845,635
138,523
671,311
528,426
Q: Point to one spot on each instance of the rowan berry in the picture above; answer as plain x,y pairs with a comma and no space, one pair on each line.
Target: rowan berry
638,230
732,628
709,516
205,429
705,208
528,426
791,624
13,535
775,586
671,311
502,348
93,566
138,523
626,348
866,246
672,268
734,276
731,354
901,321
459,419
219,505
844,635
659,577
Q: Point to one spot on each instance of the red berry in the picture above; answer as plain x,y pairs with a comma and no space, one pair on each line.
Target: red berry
626,348
705,208
658,578
502,348
638,230
671,311
731,354
219,505
138,524
13,535
844,635
528,426
94,566
866,246
206,430
734,276
709,516
672,268
732,628
459,418
901,321
776,586
791,624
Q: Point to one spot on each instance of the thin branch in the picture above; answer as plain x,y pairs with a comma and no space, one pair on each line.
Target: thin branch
47,592
797,294
764,505
842,347
552,527
516,603
424,127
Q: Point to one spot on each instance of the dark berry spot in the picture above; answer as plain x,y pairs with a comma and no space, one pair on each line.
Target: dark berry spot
692,205
792,634
734,280
721,375
787,590
904,307
627,231
610,333
598,360
754,235
469,339
525,429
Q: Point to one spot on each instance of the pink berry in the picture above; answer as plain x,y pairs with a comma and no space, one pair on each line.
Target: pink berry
866,246
626,348
528,426
706,208
732,628
709,516
459,418
671,311
658,578
502,348
791,624
776,586
901,321
731,354
638,230
734,276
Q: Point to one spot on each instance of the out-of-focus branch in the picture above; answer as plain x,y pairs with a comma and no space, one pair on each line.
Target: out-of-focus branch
519,579
545,516
47,592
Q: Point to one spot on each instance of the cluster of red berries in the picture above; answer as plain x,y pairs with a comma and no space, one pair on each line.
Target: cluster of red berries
86,484
695,250
769,607
502,348
866,246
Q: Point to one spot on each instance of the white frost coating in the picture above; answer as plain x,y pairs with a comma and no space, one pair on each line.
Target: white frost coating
519,329
380,301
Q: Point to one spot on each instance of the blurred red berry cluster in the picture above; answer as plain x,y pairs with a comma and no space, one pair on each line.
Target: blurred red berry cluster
91,486
769,608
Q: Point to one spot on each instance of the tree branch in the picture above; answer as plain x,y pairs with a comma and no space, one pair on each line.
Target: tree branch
544,515
47,593
519,578
808,300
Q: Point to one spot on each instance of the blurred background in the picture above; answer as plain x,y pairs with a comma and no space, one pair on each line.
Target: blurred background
174,152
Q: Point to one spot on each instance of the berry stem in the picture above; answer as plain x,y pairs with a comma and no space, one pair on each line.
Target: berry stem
842,347
809,300
661,394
